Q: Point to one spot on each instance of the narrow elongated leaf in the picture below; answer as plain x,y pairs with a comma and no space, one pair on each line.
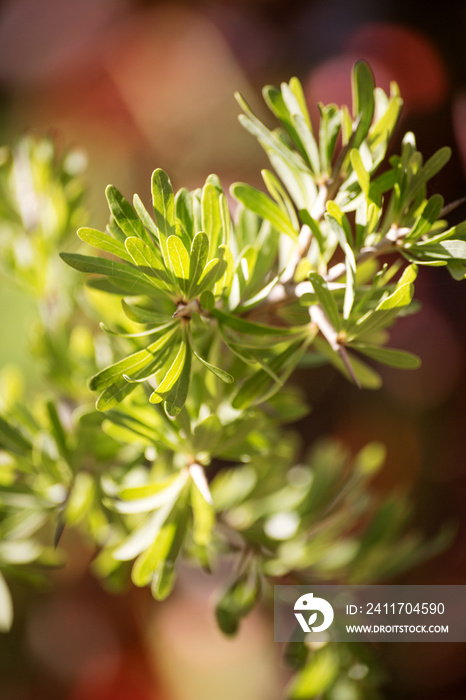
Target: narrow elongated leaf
131,277
367,377
427,218
362,83
388,356
219,373
207,434
171,376
80,499
446,250
143,536
146,220
326,299
179,261
213,272
224,282
176,397
243,326
431,168
260,386
171,537
330,123
156,565
263,206
13,439
350,290
212,217
104,242
138,314
149,264
197,259
238,600
184,211
317,676
155,557
148,498
116,392
360,170
124,214
58,430
164,209
289,114
203,510
385,126
133,363
281,197
402,296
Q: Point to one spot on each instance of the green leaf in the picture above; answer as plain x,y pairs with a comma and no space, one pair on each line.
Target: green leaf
350,281
57,430
330,123
149,497
219,373
12,439
176,397
197,259
326,299
129,276
213,271
80,499
362,83
207,434
243,326
132,363
383,129
344,234
157,562
163,201
184,211
124,214
171,376
446,250
143,536
388,356
431,168
366,376
264,207
280,196
427,218
146,220
259,386
149,264
207,300
238,600
318,675
223,284
203,511
402,296
360,170
179,261
138,314
104,242
212,222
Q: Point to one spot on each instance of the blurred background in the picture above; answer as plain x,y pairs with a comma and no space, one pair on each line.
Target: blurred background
142,84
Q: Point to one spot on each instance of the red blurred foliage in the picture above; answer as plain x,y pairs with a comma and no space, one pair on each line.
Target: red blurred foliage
410,59
394,52
130,682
